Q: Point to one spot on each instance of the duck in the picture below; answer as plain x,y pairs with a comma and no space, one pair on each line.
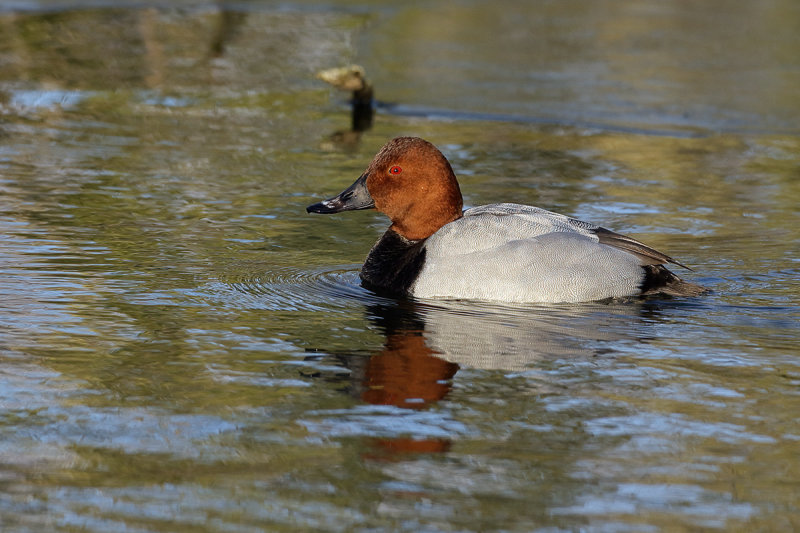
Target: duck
505,252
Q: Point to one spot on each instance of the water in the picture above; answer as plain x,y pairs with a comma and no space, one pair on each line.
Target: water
185,349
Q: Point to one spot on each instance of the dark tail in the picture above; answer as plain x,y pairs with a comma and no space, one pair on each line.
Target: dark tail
659,280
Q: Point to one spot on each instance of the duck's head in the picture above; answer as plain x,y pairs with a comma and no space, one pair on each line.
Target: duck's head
411,182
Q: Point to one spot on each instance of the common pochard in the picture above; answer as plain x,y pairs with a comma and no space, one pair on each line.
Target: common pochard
502,252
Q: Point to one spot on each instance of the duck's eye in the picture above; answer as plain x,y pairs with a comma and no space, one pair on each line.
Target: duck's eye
395,170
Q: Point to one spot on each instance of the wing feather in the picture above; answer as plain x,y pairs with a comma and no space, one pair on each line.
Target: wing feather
646,254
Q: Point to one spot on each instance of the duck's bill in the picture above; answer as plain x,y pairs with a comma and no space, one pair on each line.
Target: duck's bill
353,198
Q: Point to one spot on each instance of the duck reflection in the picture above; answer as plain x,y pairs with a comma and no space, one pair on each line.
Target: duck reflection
426,345
509,338
406,372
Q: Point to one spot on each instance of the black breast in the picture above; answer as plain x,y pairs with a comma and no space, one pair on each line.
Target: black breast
393,264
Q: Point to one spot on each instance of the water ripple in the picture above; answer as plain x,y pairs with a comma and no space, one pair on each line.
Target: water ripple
295,289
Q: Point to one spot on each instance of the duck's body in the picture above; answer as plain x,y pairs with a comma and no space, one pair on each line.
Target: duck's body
502,252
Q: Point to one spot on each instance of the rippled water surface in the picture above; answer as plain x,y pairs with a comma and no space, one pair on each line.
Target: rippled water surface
183,348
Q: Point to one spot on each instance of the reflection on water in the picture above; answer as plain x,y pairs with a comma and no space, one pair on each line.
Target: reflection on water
426,344
487,336
407,372
183,348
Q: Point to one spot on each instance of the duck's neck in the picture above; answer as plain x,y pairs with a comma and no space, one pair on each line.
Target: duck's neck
424,224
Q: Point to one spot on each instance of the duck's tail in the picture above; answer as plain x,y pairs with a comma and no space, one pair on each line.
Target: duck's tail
659,280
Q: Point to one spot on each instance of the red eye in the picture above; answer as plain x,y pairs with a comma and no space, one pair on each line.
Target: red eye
395,170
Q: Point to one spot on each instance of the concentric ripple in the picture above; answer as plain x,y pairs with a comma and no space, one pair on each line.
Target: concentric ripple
292,289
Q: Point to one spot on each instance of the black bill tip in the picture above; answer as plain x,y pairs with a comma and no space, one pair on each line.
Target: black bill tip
325,207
